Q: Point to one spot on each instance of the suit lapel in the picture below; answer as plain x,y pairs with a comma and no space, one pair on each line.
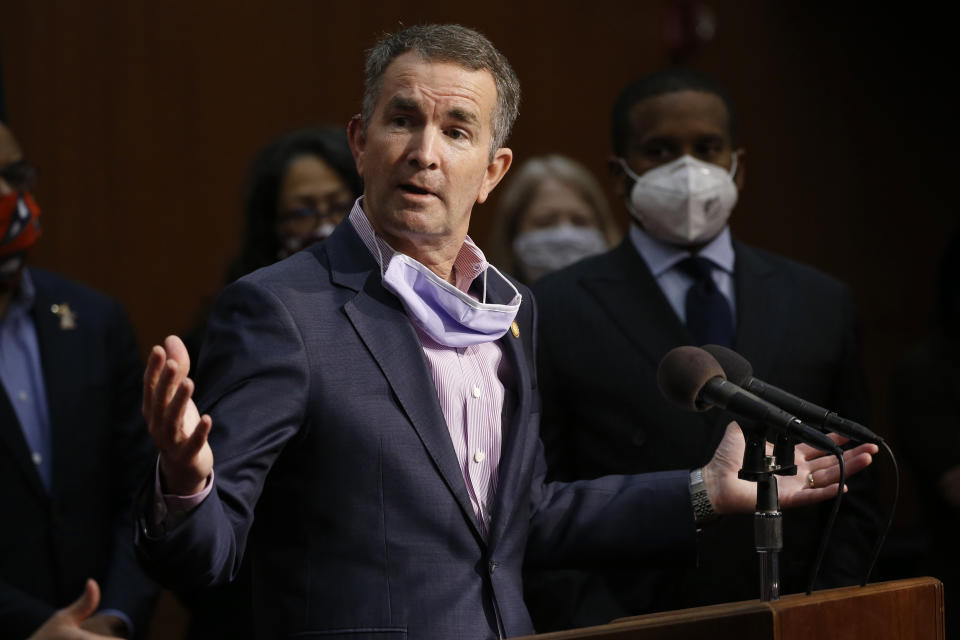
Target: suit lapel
383,326
626,291
63,383
519,352
760,306
11,433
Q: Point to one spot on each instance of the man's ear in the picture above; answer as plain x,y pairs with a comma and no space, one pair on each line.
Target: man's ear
618,175
740,178
357,140
496,169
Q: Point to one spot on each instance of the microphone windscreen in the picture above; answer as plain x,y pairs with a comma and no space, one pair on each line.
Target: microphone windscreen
682,374
737,368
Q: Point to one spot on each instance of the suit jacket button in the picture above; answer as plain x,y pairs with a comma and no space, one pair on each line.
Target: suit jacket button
639,438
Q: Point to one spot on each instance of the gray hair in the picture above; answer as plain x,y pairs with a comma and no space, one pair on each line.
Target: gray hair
446,43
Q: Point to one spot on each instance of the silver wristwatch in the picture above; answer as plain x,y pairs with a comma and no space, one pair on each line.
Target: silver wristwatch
702,507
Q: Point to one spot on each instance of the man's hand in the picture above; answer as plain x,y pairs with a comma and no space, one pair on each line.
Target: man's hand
177,428
730,494
106,625
66,623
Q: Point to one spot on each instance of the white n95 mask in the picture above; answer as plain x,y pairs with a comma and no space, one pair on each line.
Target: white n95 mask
684,202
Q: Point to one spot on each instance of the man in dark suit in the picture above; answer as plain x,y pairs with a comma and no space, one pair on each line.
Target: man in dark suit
372,401
72,445
679,278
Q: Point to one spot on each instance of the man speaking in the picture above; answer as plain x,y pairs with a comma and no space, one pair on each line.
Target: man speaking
372,400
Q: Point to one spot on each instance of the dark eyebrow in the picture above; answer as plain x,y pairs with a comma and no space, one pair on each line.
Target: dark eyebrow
398,103
468,117
662,140
711,137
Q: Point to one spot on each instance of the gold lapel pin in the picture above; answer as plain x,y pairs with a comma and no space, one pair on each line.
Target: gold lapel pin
68,317
515,329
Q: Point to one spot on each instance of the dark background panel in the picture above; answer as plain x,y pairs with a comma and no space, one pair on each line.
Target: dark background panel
143,117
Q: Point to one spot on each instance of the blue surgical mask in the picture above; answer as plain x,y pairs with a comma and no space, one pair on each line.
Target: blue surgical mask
447,314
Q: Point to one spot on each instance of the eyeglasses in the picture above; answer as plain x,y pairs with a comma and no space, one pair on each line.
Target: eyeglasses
19,175
335,211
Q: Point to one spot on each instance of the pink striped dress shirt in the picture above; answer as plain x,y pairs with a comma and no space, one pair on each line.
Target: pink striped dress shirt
470,382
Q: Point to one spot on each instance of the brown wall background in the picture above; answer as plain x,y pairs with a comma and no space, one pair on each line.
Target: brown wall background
142,117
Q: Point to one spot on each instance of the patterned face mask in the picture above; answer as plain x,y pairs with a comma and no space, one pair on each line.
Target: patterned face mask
19,231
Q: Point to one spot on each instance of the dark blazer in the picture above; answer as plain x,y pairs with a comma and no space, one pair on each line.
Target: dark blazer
52,542
604,326
327,428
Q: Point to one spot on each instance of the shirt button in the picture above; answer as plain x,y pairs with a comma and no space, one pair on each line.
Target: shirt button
23,396
476,392
479,456
37,458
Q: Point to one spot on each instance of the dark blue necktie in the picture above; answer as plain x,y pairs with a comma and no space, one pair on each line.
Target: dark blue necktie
709,319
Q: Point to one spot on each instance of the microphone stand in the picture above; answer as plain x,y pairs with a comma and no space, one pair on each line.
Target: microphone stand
767,519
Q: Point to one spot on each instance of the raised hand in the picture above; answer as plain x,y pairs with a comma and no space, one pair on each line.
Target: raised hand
177,428
66,623
730,494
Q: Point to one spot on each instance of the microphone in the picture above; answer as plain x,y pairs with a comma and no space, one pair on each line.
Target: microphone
693,379
739,371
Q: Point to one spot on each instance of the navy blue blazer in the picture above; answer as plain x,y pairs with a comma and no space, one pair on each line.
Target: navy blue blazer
53,541
327,429
604,327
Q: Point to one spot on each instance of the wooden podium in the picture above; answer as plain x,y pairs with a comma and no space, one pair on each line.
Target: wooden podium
899,610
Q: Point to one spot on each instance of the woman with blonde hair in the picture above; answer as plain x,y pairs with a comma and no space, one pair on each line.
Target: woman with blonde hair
551,214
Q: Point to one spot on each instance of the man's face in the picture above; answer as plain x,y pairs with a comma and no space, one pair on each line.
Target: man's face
672,125
425,155
19,221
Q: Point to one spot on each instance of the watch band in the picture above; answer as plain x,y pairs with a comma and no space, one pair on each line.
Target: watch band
702,507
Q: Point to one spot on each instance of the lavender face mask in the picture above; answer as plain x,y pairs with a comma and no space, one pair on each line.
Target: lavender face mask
446,314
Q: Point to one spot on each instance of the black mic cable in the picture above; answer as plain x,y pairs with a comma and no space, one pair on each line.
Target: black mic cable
893,509
739,371
828,527
692,378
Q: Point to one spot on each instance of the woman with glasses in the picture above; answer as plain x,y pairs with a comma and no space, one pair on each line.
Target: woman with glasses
300,187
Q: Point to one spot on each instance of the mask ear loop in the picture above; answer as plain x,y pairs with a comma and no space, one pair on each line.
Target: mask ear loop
516,293
627,201
627,168
733,169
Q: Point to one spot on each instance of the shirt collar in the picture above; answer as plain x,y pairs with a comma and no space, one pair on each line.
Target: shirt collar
26,294
23,299
661,257
470,261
